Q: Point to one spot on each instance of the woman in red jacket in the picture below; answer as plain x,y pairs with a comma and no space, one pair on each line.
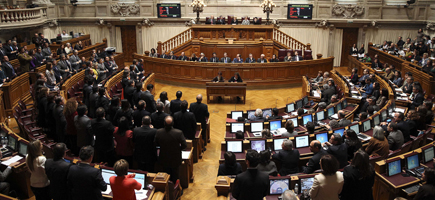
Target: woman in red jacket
123,185
124,140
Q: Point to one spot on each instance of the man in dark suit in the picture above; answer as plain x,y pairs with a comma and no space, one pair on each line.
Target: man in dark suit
289,158
225,59
171,142
57,172
158,118
313,163
60,121
407,88
164,56
250,59
149,99
238,59
262,59
137,93
234,21
202,58
214,59
102,101
85,181
221,20
87,89
8,68
175,104
39,57
46,51
103,130
182,57
418,98
251,184
145,153
129,92
75,60
64,68
2,52
85,135
140,113
201,114
11,50
92,102
297,57
79,46
211,20
172,56
343,121
326,94
337,148
401,124
185,121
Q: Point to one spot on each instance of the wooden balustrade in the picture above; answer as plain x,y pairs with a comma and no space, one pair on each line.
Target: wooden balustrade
150,80
288,41
71,81
112,82
175,42
16,17
15,90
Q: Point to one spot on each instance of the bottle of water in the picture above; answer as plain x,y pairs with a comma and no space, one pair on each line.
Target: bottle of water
296,189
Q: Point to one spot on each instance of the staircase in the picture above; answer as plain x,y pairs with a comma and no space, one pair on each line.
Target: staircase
288,42
175,42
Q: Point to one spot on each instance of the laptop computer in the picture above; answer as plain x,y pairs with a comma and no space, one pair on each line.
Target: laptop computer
278,186
256,128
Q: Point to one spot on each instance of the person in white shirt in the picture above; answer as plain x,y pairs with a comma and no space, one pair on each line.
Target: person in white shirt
35,162
4,186
245,21
64,34
68,48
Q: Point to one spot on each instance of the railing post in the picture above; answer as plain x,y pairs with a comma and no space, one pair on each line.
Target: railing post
308,46
159,47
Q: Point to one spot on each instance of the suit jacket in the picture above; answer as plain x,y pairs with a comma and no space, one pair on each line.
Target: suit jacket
73,60
103,130
87,91
149,100
202,59
288,59
2,54
354,78
143,139
101,69
232,79
214,59
85,182
395,140
171,143
344,122
60,122
314,162
211,21
417,101
264,60
217,79
250,60
85,135
63,66
407,88
78,47
175,106
138,115
355,188
46,52
251,185
221,21
234,21
299,57
60,51
340,152
128,94
57,173
327,187
184,58
102,101
237,61
289,161
158,119
186,122
39,59
200,111
136,97
8,69
24,62
227,59
326,95
425,192
92,103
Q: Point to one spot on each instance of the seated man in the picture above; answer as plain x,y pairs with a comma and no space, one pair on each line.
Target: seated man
395,137
214,59
337,148
225,59
342,120
333,124
297,57
202,58
288,58
313,163
230,166
238,59
262,59
326,94
182,57
258,115
289,158
367,89
250,59
211,20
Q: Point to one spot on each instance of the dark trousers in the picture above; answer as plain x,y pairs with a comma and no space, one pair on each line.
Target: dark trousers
41,193
204,132
105,156
174,172
4,188
149,167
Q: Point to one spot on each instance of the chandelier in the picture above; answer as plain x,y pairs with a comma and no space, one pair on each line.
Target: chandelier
267,6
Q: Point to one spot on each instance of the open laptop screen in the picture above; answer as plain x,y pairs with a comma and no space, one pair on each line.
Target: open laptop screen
275,125
237,127
236,114
302,141
235,146
278,186
256,127
290,107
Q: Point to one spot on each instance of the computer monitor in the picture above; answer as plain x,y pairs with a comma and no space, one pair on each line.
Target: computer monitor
290,107
322,137
320,115
277,143
275,125
305,100
106,174
366,126
355,128
267,112
22,148
235,146
345,103
306,184
384,115
295,121
340,131
140,178
256,127
236,114
394,168
338,106
302,141
237,127
251,114
306,119
412,162
12,142
258,145
331,111
376,120
299,104
278,186
428,154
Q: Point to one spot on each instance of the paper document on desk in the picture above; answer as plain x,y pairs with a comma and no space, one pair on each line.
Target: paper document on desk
141,194
185,154
334,116
286,116
403,95
402,98
12,160
399,110
354,92
398,89
108,190
316,94
357,97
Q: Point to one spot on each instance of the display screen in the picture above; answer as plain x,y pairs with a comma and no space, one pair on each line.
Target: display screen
107,174
384,115
290,107
394,168
235,146
236,114
12,142
251,114
338,107
322,137
295,121
300,11
278,186
275,125
302,141
305,100
355,128
22,149
345,103
277,144
320,115
428,154
258,145
237,127
256,127
376,120
299,104
330,111
140,178
307,118
340,131
267,112
306,184
366,126
168,10
412,161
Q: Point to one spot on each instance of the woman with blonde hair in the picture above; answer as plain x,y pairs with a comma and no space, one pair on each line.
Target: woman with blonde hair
70,111
123,185
35,162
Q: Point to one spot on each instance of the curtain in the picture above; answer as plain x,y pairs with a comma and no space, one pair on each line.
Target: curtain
337,44
317,37
378,36
118,39
98,33
152,35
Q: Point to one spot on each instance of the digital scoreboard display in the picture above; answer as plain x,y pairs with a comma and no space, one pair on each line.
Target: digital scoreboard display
168,10
300,11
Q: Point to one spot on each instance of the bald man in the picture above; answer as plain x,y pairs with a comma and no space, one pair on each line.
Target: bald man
171,142
201,114
313,163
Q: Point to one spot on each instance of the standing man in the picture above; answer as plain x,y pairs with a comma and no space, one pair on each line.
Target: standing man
104,145
103,71
57,172
185,121
24,59
64,68
8,68
75,60
171,142
85,181
175,104
201,114
145,153
225,59
158,118
149,99
251,184
85,135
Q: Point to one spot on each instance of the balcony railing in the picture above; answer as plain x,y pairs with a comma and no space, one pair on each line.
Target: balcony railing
18,17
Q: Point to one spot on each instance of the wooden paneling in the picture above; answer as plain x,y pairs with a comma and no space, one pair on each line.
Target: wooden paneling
255,74
350,37
232,49
86,41
238,32
128,34
15,90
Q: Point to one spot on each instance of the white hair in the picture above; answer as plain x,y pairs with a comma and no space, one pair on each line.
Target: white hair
288,195
258,112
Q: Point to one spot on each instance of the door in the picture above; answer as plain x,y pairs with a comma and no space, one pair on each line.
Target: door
350,37
128,35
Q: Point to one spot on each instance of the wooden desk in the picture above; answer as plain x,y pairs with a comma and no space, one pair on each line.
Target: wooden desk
15,90
226,89
186,170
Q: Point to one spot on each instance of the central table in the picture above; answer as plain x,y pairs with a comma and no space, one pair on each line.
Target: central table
226,89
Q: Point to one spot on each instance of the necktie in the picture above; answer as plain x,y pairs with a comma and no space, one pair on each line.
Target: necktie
225,60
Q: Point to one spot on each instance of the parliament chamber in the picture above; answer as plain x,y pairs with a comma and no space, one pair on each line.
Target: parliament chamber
105,99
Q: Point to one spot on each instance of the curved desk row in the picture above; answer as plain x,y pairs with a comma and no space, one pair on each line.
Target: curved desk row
256,74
